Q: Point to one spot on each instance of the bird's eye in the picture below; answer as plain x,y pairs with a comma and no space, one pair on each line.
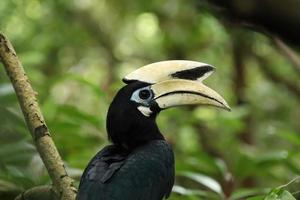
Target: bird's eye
144,94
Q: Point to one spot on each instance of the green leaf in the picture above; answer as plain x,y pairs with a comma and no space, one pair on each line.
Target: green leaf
290,136
207,181
8,186
249,193
6,89
256,198
279,194
272,158
77,116
192,192
286,195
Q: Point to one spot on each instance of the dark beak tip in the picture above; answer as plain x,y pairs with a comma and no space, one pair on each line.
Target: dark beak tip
227,108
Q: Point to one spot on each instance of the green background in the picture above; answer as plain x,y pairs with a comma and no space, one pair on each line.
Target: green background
75,54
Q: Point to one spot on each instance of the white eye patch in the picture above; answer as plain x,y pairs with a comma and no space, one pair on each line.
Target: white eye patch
145,110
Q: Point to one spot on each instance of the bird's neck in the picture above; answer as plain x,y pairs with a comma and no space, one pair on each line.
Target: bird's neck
141,137
133,134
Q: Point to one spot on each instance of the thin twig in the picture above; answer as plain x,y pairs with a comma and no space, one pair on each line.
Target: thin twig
63,184
292,86
288,53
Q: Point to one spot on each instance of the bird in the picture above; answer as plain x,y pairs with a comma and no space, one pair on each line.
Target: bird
139,162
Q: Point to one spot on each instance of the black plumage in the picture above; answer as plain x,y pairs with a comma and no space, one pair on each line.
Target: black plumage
140,163
125,124
147,173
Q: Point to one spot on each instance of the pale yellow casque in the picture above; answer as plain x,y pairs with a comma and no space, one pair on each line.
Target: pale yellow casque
170,91
161,71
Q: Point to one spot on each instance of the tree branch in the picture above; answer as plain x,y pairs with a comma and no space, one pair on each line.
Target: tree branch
63,184
44,192
239,54
276,16
290,85
288,53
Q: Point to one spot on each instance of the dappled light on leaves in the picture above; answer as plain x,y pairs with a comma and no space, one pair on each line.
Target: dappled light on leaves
76,53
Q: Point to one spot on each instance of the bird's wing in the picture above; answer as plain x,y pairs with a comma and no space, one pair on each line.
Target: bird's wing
147,173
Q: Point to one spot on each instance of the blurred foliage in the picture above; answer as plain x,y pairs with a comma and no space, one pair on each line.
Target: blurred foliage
75,54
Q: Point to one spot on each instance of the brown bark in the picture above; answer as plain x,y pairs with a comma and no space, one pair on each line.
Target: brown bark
288,52
265,66
240,73
239,56
44,192
62,183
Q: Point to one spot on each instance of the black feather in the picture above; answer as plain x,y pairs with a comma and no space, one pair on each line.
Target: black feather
194,73
139,165
147,173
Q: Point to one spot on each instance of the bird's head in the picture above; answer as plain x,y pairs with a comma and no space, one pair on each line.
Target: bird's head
155,87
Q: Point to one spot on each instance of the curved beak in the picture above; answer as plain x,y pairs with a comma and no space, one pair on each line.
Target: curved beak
179,92
178,82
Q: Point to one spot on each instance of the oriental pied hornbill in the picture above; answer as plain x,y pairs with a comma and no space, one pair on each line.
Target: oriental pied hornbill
139,165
